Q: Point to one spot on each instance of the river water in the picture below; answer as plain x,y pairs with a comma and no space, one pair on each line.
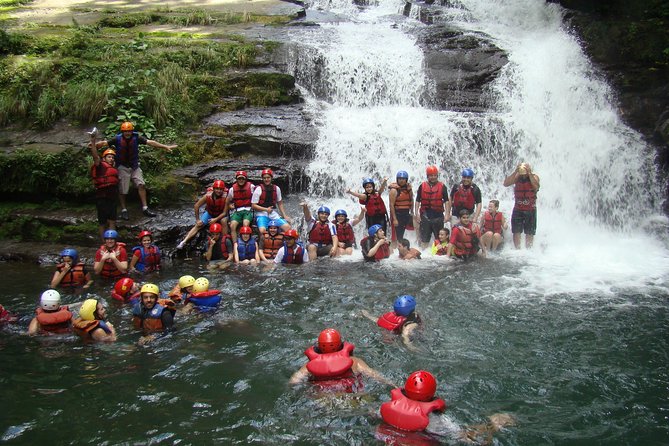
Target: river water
570,337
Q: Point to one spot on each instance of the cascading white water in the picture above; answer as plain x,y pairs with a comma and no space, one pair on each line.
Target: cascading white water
599,182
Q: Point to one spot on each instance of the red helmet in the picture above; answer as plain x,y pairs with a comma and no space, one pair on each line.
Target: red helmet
215,228
291,233
246,230
267,172
127,127
123,286
432,170
219,184
329,341
420,386
144,234
241,173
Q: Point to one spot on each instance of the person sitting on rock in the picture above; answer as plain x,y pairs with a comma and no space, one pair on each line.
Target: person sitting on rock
375,247
216,211
246,248
219,248
322,236
239,198
267,203
345,234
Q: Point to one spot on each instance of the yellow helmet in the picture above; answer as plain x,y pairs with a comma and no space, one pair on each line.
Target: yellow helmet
87,310
150,288
201,285
186,281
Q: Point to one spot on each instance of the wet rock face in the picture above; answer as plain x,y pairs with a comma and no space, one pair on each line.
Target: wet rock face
460,66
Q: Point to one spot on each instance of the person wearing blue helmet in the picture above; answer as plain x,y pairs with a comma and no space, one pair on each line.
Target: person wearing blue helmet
345,234
400,197
403,320
375,247
322,234
71,273
375,208
465,195
111,259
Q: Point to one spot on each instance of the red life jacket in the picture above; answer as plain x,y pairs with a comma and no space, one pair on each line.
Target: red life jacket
209,298
391,321
109,270
320,233
268,199
492,224
382,253
271,245
129,299
403,200
431,197
216,206
242,197
525,195
463,198
330,365
149,259
108,176
464,245
127,150
344,232
75,277
374,205
294,255
407,414
57,321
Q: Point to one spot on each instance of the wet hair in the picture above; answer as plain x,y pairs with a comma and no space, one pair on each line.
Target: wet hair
464,212
404,242
448,232
495,203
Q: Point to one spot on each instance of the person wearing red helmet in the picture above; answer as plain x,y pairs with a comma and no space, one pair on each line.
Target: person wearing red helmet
292,251
105,179
145,257
219,248
524,216
332,367
126,291
432,206
239,202
216,211
246,248
127,144
267,203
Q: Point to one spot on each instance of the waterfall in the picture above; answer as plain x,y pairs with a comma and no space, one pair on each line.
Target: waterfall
364,80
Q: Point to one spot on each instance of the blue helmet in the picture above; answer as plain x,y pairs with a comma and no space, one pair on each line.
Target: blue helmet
402,174
324,209
273,224
69,252
341,212
366,181
404,305
467,172
110,233
373,230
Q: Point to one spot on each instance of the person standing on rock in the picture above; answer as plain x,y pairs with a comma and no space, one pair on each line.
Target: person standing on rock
105,179
127,159
432,206
524,215
465,195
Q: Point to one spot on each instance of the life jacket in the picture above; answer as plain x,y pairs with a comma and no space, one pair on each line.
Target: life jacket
407,414
85,328
268,198
320,233
374,205
216,206
224,247
431,197
441,249
382,253
152,320
6,317
403,199
127,151
463,198
294,255
525,195
391,321
464,240
109,270
58,321
271,245
130,299
492,224
332,371
149,260
242,197
246,250
75,277
107,178
177,294
344,232
209,298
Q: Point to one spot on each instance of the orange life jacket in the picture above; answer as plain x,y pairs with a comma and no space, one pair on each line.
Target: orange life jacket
404,199
75,277
271,245
57,321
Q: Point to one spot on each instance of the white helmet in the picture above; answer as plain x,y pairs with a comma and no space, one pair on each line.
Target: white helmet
50,300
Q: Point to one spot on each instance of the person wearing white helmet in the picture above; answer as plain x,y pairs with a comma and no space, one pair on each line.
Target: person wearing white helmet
50,316
91,324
